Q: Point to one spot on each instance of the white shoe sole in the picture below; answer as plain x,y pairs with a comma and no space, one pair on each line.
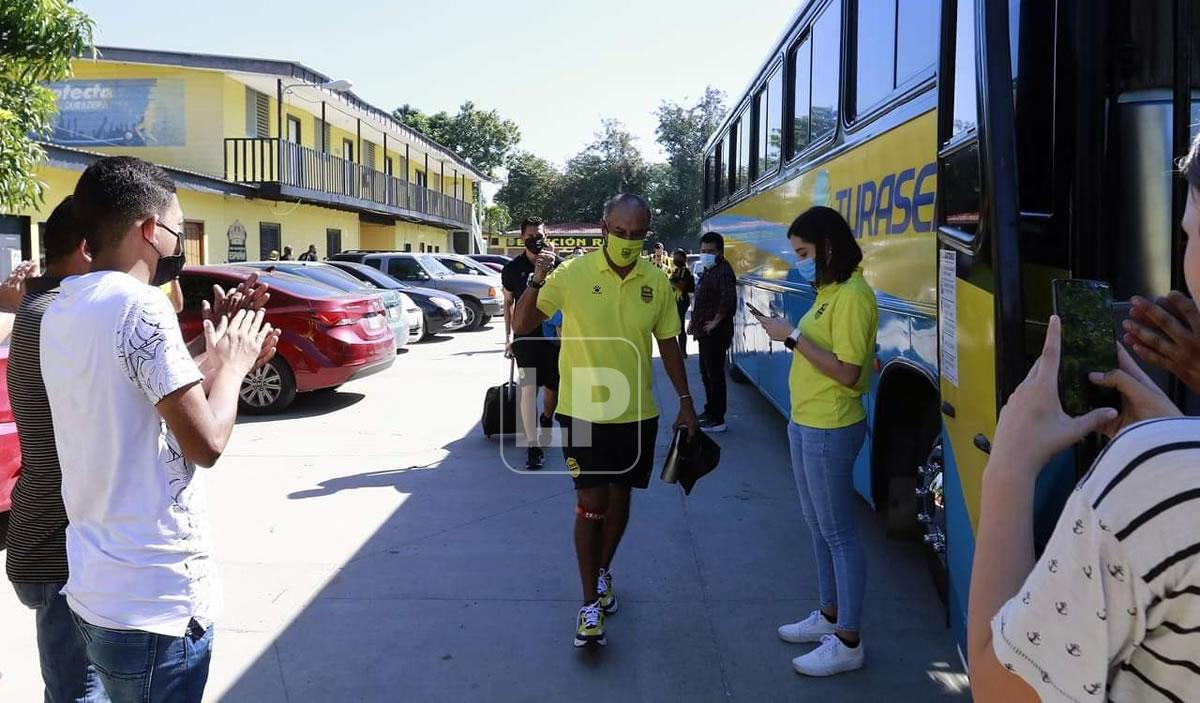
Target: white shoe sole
716,429
802,670
583,643
801,639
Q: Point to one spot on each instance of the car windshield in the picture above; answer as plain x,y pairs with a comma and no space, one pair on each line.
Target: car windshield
328,276
371,275
433,266
299,286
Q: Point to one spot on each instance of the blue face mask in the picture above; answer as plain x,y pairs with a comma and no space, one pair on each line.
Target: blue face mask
707,261
807,268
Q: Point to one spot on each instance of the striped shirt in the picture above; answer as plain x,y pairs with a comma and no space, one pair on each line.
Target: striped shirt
1111,611
37,550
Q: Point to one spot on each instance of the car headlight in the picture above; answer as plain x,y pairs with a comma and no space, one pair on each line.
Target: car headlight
492,292
442,303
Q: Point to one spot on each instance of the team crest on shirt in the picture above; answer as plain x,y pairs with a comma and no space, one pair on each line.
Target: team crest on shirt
647,294
596,289
573,467
821,311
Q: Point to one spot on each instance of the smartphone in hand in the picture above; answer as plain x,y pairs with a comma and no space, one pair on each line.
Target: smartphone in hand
755,311
1089,344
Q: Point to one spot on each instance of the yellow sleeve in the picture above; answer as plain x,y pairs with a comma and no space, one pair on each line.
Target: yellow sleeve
554,292
667,325
854,323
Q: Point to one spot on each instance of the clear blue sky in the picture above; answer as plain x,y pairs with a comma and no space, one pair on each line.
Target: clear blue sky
556,67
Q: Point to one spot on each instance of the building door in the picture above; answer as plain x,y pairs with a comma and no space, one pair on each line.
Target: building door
292,151
268,239
349,182
193,242
14,235
333,242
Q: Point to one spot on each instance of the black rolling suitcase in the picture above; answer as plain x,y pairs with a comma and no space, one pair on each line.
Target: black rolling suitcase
500,407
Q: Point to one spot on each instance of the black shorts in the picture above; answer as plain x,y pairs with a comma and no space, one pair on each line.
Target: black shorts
537,360
619,453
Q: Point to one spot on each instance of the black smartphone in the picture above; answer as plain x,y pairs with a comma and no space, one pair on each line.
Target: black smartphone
1089,343
537,245
756,311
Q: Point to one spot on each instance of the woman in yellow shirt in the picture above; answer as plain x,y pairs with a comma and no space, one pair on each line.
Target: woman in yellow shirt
832,350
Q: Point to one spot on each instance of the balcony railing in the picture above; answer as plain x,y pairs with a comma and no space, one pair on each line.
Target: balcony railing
260,161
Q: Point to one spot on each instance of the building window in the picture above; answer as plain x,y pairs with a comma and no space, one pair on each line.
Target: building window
388,165
258,114
333,242
293,129
368,154
269,236
323,136
896,44
422,179
408,246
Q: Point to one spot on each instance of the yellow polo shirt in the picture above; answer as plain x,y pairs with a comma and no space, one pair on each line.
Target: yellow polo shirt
608,322
843,319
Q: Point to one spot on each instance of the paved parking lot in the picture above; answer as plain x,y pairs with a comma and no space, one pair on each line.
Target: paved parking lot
374,548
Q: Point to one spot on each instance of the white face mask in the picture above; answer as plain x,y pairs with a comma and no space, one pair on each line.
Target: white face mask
707,261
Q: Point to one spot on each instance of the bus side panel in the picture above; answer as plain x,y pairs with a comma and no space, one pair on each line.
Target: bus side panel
960,540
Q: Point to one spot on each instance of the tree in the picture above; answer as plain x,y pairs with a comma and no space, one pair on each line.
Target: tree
38,39
483,138
609,165
531,187
682,132
496,219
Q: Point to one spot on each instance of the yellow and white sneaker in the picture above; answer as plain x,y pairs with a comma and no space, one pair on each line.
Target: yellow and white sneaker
590,629
604,588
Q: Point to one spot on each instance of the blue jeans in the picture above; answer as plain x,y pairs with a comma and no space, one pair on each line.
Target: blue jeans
823,464
65,671
142,667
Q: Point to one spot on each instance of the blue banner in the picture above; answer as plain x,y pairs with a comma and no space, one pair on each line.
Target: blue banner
126,112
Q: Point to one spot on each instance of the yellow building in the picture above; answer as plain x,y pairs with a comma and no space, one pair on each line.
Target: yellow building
265,154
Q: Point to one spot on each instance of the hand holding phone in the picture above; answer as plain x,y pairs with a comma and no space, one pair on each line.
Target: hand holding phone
1089,344
755,311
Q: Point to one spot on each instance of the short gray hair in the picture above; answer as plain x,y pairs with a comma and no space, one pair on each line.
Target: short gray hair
626,199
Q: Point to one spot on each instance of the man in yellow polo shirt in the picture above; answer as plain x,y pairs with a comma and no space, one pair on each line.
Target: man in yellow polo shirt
613,301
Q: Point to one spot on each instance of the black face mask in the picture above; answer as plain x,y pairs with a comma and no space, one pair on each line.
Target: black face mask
535,244
169,266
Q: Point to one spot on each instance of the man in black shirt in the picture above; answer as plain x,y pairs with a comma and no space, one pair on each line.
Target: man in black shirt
37,549
537,357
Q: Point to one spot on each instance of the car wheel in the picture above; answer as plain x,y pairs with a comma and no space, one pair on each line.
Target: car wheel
472,314
268,389
486,320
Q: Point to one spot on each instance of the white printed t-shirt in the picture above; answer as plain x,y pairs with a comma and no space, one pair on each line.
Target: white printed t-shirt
138,538
1111,611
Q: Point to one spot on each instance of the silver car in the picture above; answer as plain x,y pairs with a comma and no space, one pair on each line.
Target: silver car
398,319
482,296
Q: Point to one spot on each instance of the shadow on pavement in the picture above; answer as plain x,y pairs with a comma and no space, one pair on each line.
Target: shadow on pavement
469,590
310,404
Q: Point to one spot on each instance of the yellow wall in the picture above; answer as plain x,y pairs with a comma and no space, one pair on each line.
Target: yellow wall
204,99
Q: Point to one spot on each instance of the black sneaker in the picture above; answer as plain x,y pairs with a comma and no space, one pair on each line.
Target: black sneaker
702,418
537,459
711,425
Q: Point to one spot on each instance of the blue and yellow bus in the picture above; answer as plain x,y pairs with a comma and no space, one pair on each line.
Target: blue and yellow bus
978,149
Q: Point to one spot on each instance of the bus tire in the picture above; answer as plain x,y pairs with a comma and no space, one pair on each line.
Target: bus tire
903,506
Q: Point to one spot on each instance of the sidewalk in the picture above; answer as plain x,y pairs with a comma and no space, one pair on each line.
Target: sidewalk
374,548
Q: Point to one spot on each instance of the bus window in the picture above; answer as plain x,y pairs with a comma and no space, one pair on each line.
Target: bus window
827,44
743,151
768,105
802,77
876,54
708,189
721,173
965,110
896,45
916,39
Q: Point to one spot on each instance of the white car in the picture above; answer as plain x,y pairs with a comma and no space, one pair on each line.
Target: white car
414,318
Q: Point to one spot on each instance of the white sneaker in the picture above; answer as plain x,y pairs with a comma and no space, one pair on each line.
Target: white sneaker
832,657
810,629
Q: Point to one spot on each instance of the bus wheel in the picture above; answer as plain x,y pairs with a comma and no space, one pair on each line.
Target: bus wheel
933,518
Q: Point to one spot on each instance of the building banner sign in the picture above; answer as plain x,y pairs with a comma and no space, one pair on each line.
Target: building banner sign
559,241
124,113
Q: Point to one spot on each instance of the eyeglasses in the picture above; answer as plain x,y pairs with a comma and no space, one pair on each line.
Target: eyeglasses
177,234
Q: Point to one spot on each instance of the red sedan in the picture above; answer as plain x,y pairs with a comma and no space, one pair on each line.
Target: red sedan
328,337
10,448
